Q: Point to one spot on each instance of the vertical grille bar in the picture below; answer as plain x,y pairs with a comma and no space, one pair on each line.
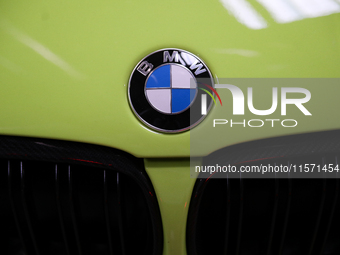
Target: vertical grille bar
283,237
107,215
322,203
228,218
272,226
15,213
239,231
24,204
120,216
61,219
73,213
330,220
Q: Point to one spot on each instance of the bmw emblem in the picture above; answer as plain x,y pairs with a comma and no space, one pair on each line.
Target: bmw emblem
164,90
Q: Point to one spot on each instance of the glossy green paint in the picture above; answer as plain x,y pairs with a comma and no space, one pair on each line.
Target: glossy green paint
173,185
65,65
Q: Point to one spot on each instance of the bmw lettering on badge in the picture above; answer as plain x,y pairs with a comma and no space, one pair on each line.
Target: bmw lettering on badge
164,90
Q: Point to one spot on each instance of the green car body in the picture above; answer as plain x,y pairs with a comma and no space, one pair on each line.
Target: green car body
65,68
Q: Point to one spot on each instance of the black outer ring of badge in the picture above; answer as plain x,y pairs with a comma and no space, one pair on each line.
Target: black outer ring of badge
163,122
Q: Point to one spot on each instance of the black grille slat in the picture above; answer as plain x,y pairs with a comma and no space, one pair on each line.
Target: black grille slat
286,219
318,220
26,210
274,216
51,202
239,230
120,214
73,211
330,220
107,214
60,213
19,226
226,241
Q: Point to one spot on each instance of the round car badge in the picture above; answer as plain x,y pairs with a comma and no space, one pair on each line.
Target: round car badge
166,88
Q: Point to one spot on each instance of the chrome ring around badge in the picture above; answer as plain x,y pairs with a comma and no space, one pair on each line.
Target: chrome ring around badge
164,90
